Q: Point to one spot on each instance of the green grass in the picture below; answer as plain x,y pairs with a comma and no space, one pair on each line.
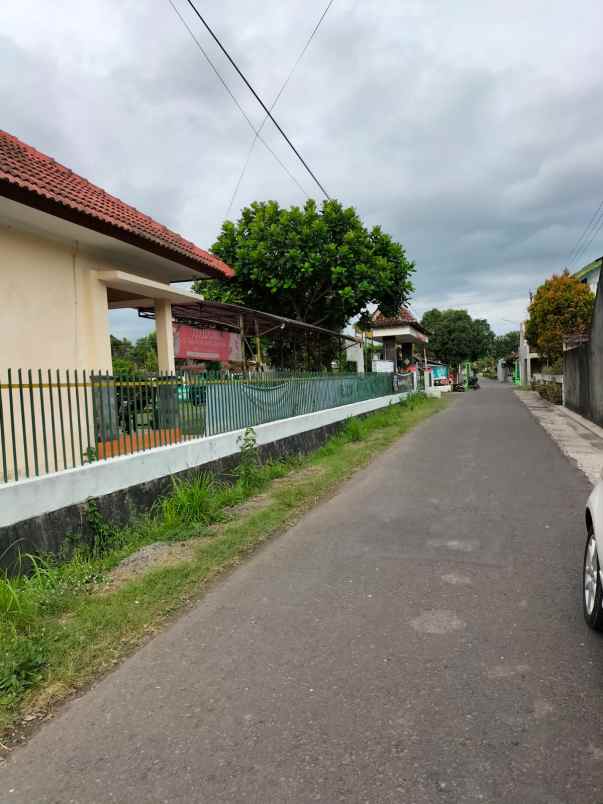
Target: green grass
58,629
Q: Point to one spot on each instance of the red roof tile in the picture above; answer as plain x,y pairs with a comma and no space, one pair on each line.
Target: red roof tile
403,317
34,179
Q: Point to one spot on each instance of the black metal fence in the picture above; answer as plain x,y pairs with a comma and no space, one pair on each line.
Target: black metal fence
51,420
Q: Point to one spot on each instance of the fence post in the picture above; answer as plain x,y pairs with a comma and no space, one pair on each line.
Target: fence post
3,437
41,430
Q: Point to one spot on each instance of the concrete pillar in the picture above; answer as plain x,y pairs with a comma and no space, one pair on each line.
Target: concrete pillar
165,336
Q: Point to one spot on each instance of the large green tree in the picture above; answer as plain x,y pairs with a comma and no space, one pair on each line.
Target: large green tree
505,345
456,337
321,266
131,357
561,306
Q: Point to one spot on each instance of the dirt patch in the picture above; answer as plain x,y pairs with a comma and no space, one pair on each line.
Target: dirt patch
163,554
248,507
152,556
297,475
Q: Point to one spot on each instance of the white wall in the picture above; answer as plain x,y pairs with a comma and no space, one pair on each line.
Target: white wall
30,498
54,309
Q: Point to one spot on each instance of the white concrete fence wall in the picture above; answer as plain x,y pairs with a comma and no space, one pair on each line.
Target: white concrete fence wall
34,497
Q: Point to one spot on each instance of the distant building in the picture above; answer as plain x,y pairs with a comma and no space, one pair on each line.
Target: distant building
404,340
530,361
589,275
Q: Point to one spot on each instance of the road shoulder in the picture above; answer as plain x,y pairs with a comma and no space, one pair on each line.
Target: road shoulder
579,439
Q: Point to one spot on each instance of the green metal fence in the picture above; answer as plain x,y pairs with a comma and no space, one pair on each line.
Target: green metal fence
51,420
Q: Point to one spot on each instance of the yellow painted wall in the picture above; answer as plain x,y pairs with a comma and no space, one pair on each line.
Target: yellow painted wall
53,309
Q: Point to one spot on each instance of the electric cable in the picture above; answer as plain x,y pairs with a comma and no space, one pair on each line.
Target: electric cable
274,102
232,95
256,96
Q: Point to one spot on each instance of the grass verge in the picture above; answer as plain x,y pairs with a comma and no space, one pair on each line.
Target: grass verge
58,630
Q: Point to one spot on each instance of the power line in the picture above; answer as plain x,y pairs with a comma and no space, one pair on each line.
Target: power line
236,102
274,102
594,233
257,97
574,252
594,226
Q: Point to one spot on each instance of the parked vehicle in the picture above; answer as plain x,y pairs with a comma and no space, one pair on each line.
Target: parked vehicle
592,598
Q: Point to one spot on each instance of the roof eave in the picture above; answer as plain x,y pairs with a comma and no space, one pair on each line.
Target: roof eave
30,198
398,322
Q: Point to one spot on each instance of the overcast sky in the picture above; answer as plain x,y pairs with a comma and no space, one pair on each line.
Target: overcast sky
471,131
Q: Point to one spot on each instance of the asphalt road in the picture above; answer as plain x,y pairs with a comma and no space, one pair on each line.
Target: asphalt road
416,639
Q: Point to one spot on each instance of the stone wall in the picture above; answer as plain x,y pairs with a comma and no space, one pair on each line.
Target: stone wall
583,370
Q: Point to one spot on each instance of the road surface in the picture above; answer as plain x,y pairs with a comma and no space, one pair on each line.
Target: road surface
417,638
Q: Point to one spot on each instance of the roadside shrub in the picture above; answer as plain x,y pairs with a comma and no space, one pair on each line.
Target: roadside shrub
16,607
192,502
22,664
353,430
413,400
105,536
46,589
556,367
551,391
248,470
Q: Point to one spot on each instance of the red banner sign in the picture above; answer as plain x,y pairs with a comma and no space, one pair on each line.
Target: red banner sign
214,345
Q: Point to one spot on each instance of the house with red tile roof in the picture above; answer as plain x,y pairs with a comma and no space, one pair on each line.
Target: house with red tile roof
70,251
404,339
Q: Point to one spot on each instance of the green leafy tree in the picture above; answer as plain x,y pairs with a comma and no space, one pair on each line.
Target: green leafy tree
456,337
128,357
321,266
505,345
145,352
482,339
561,306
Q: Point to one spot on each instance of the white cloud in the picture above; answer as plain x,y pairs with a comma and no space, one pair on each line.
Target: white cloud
473,131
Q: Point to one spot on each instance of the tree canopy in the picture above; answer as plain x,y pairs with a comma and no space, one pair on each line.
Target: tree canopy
505,345
561,306
130,357
456,337
316,265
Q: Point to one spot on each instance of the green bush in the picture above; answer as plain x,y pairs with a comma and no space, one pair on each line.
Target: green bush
413,400
192,502
353,430
22,664
248,468
556,367
551,391
105,536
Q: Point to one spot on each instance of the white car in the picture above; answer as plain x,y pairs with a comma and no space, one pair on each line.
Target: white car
592,585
